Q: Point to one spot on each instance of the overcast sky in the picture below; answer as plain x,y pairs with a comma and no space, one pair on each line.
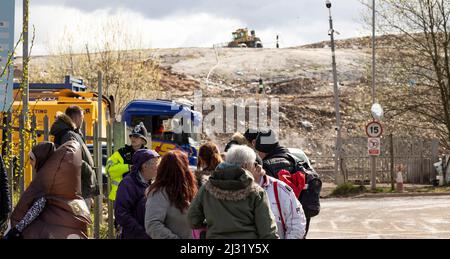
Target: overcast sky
189,23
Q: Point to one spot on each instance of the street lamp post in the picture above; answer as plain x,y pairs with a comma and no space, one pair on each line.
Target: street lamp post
25,96
337,157
373,184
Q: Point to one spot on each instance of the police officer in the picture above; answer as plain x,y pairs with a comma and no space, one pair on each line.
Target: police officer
119,164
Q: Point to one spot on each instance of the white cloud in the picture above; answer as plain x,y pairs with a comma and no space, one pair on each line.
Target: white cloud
54,24
199,28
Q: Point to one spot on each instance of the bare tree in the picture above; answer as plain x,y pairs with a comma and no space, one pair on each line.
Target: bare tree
127,72
415,65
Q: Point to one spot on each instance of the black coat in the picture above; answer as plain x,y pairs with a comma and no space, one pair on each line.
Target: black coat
5,201
277,160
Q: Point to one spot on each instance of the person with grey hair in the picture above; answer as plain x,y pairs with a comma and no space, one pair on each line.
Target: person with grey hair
232,205
288,212
130,206
242,156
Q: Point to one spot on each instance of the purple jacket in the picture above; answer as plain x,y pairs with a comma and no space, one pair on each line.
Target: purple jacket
129,209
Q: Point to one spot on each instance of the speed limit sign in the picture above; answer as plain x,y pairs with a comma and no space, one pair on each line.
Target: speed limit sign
374,129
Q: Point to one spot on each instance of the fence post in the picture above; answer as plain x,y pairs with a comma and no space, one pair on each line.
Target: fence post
97,205
22,156
46,128
421,161
110,203
344,171
4,133
363,169
83,129
391,137
98,131
119,134
434,156
8,135
33,130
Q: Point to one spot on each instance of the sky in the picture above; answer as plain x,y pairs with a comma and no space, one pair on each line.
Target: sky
186,23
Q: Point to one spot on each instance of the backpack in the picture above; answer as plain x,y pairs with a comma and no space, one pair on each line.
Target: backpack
89,183
306,184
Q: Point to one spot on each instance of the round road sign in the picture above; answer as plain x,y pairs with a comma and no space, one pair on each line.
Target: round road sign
374,129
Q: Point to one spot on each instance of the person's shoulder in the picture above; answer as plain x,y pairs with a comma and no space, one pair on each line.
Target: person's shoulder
202,190
159,196
125,149
161,193
282,186
127,181
73,134
276,159
257,190
274,164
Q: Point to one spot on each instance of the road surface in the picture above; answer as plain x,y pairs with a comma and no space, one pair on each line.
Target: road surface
391,218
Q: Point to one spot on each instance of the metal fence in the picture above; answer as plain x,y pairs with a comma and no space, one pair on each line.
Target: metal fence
416,155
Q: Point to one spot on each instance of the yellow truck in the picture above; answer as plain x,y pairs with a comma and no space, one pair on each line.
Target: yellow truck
48,99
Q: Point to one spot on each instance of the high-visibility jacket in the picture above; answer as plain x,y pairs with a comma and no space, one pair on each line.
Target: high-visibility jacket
117,166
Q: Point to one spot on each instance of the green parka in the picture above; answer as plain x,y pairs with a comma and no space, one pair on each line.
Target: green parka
233,207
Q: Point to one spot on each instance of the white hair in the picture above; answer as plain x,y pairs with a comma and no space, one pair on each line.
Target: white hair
240,155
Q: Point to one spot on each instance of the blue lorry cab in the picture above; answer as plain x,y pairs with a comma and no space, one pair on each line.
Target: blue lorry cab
172,125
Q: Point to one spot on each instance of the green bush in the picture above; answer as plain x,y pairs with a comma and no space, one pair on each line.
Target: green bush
348,189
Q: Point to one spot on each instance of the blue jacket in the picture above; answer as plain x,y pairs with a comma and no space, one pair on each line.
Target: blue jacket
130,207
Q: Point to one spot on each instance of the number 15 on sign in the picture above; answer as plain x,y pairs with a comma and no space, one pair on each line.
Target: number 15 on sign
374,129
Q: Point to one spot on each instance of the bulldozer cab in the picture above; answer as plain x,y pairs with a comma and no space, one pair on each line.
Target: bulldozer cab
240,34
242,39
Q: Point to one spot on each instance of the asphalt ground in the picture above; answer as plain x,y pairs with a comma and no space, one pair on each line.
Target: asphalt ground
386,218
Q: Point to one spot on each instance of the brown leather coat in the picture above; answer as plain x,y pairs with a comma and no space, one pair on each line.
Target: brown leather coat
59,180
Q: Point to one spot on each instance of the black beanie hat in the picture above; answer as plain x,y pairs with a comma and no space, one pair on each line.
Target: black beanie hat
251,134
266,141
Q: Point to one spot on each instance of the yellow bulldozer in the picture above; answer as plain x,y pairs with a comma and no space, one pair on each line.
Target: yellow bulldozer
242,39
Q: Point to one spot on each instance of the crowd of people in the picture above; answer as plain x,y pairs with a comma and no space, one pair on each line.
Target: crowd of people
235,194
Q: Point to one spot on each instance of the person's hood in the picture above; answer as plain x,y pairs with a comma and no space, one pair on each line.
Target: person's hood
141,156
42,152
230,182
62,123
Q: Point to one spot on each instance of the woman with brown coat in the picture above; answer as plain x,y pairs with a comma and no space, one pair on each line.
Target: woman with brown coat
57,189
